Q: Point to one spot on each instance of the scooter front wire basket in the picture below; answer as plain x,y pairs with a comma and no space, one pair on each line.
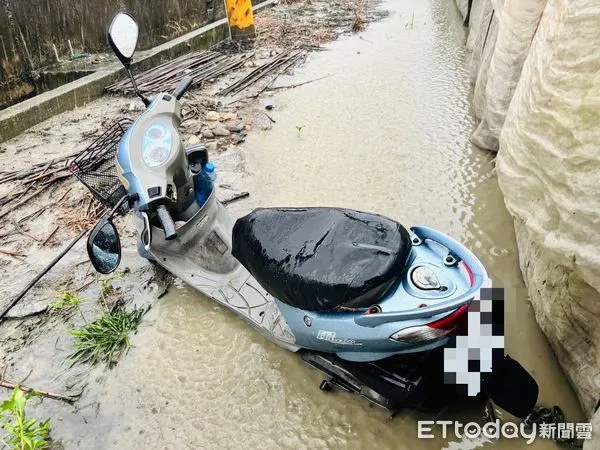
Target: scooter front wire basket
95,167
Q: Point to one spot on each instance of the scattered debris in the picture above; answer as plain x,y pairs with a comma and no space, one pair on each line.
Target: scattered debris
83,214
32,283
201,66
36,179
11,253
235,198
292,86
278,64
270,118
358,20
310,23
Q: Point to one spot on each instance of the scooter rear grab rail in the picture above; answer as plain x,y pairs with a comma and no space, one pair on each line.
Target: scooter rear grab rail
480,279
373,320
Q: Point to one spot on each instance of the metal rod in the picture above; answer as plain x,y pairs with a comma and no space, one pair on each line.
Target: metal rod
41,274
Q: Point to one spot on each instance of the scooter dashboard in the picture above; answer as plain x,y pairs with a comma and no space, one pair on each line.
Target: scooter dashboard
151,159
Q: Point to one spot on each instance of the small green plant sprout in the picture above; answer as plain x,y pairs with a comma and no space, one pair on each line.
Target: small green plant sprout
65,300
122,272
106,338
299,129
20,433
106,289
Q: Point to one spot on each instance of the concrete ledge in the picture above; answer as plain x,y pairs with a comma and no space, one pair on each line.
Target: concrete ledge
18,118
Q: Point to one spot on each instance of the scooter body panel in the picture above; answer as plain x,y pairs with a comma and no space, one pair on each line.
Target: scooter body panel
344,333
201,257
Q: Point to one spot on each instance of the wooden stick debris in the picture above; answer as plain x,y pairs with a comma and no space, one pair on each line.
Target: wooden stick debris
11,253
83,286
63,398
35,169
279,63
19,230
50,235
269,117
201,66
235,198
292,86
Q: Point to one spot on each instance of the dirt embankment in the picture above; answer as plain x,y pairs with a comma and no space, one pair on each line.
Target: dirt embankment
42,212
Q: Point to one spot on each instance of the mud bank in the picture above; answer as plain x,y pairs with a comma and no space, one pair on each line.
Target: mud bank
535,68
34,340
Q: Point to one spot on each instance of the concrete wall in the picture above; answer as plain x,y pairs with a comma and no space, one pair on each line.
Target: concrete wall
17,118
29,28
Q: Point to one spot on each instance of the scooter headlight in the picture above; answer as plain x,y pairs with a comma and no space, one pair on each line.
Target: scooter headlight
425,278
157,144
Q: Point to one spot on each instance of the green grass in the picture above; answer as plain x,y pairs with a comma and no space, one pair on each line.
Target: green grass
122,272
65,300
22,434
106,338
106,289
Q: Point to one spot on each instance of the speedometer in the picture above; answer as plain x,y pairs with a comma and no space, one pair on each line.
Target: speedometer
157,143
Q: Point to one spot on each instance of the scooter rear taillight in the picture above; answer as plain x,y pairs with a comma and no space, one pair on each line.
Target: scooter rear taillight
451,324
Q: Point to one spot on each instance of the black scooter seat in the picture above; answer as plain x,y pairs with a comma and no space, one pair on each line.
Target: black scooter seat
321,258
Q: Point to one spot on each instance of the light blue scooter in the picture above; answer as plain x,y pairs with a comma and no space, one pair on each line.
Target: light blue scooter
360,297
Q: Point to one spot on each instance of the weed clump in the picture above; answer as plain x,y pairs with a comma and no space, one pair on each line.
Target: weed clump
106,338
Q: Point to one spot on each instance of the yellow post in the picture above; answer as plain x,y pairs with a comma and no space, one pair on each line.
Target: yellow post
241,19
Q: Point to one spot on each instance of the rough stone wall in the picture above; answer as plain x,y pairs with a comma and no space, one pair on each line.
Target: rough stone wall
518,22
539,101
549,171
568,312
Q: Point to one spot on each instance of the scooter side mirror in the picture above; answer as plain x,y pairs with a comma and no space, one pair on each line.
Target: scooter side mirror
123,36
104,246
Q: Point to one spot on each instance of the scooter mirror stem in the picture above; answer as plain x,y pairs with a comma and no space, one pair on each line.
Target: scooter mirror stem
135,88
128,197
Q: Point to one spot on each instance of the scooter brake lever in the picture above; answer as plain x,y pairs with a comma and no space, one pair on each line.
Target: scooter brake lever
147,230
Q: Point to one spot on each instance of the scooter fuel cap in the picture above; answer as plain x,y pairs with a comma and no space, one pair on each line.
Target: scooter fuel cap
424,278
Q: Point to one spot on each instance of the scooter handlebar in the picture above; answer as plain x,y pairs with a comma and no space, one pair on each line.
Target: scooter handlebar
182,87
167,222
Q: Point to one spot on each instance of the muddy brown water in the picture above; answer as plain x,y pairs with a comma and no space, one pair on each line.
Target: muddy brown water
387,131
